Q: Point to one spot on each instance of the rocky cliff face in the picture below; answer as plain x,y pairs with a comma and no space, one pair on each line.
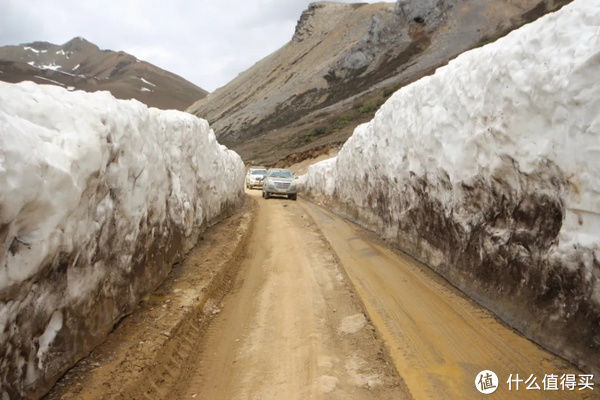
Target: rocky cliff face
81,65
429,13
343,61
488,171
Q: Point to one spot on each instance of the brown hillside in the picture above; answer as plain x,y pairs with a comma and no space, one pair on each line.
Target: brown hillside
79,64
341,65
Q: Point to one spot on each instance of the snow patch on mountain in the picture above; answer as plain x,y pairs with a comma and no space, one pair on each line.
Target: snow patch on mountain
146,82
27,48
99,197
49,80
489,171
52,67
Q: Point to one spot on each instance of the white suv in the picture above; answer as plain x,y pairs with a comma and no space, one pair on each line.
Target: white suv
255,177
280,182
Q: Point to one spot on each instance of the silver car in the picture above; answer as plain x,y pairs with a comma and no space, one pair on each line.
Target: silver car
255,177
279,182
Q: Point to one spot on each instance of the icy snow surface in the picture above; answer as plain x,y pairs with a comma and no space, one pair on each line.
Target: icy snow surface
98,198
489,171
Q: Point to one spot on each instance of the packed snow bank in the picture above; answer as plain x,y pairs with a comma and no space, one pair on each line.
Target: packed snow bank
98,198
489,171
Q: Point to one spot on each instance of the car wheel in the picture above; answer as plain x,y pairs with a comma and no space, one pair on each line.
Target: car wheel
292,196
267,195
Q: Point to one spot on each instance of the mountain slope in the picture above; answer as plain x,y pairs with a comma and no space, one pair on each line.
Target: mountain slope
343,62
79,64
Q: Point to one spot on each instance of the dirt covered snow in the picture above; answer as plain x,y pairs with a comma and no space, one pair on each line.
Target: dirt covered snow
99,197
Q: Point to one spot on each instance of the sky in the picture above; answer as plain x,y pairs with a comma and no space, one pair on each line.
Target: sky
208,42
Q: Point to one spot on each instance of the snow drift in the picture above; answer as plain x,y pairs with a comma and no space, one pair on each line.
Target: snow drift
98,198
489,171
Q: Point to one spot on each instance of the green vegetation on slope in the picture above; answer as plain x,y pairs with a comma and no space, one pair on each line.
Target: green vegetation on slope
359,113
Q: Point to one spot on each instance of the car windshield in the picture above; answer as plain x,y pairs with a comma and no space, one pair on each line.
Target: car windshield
281,174
259,172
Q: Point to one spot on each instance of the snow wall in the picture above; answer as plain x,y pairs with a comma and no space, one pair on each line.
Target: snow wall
99,197
489,172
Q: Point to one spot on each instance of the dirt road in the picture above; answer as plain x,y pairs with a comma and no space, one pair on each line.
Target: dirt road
291,328
439,340
318,309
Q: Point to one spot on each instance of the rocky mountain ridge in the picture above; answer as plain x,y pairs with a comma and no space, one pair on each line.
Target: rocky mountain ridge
80,64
